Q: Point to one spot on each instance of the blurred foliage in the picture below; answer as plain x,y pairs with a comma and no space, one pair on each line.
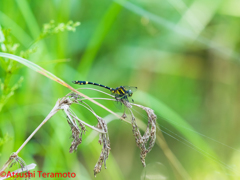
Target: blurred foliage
4,139
182,55
9,66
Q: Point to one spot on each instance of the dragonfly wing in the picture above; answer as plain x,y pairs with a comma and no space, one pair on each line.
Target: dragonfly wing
132,88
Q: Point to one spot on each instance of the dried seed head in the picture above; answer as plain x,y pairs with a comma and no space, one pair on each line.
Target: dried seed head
19,161
74,95
76,134
124,116
147,141
105,142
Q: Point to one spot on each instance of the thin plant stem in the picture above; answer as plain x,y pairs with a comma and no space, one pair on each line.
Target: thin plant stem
170,156
58,106
52,112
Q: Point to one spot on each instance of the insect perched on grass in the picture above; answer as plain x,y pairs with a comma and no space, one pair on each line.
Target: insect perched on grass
120,93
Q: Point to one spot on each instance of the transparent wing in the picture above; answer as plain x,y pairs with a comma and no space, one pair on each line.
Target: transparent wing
118,105
132,88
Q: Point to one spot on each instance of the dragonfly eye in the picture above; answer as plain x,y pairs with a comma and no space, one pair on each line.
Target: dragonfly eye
130,93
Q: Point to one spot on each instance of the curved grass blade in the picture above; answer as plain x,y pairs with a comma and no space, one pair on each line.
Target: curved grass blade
16,30
29,18
187,33
96,40
49,75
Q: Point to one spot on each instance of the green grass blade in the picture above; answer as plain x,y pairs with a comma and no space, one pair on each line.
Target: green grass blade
46,73
33,66
16,30
181,31
29,18
98,37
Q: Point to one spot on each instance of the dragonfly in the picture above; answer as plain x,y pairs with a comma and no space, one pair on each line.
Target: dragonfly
120,93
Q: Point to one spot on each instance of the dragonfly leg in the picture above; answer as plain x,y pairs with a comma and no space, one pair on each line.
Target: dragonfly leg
125,98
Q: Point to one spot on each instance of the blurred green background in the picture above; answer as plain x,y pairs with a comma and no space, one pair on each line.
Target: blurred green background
182,55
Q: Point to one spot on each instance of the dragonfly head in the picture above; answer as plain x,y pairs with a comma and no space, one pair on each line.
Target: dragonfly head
130,93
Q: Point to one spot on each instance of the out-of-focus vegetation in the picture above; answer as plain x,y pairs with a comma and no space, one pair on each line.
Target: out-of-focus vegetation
182,55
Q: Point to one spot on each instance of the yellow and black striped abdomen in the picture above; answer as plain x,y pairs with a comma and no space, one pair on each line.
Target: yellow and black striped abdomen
96,84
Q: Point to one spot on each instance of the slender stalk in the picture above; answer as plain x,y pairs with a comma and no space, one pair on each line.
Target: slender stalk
61,104
52,112
170,156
